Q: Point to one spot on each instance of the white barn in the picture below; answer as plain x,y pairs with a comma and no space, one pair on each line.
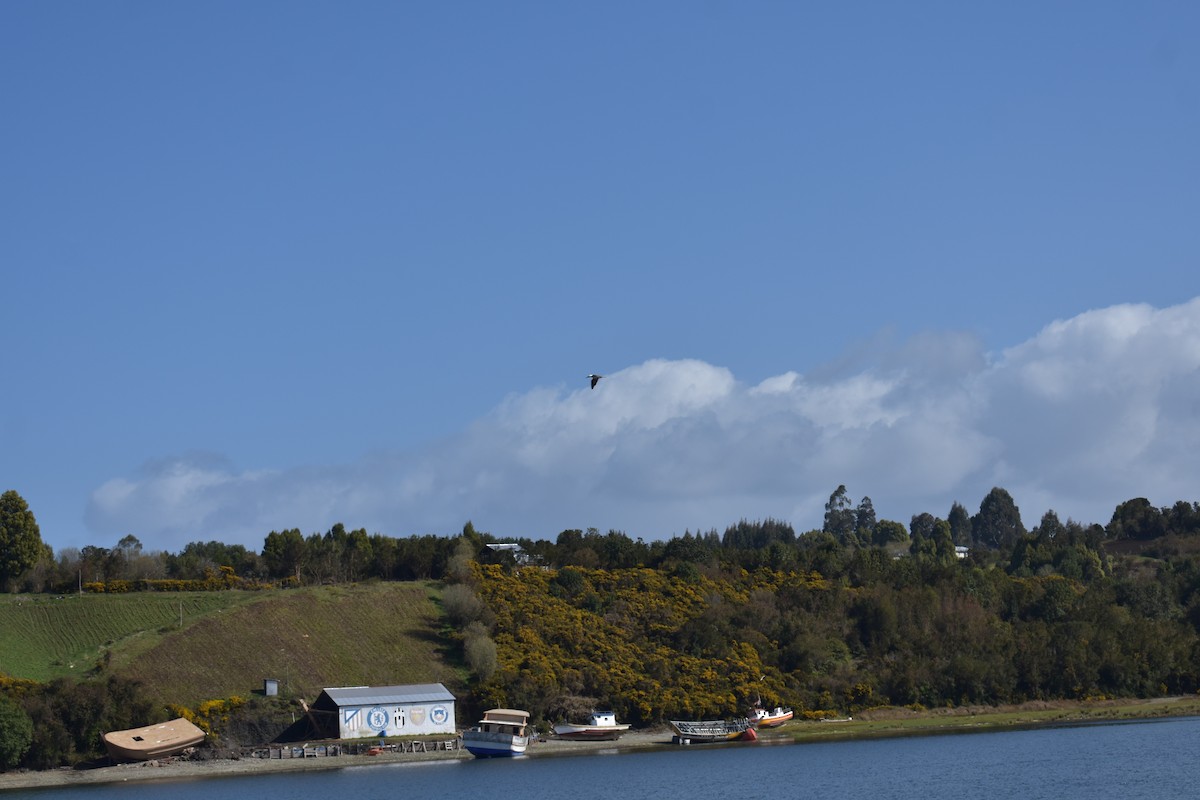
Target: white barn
365,712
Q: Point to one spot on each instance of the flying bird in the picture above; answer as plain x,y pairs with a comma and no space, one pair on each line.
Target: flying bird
595,379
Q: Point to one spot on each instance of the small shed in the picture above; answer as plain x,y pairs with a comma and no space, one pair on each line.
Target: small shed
365,712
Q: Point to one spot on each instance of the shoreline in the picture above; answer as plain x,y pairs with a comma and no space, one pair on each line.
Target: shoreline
884,722
186,768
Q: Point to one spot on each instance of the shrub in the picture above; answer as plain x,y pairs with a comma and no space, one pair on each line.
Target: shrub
16,733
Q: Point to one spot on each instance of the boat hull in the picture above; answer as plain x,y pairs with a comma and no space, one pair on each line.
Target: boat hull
774,719
488,745
719,730
152,741
503,732
602,726
590,733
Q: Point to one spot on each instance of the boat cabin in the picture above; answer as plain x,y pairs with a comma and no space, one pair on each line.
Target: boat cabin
504,720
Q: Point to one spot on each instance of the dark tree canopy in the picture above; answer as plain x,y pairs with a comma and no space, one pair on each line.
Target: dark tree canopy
1136,519
960,524
20,539
757,535
923,525
998,523
865,519
1050,528
931,540
284,553
840,517
888,531
16,733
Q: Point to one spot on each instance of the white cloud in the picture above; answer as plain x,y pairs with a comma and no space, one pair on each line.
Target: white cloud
1088,413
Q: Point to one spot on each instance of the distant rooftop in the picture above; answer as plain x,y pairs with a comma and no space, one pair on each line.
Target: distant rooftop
389,695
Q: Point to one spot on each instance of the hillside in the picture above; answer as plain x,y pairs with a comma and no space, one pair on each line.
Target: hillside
231,641
47,636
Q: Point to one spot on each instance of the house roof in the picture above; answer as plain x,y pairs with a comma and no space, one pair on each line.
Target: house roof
389,695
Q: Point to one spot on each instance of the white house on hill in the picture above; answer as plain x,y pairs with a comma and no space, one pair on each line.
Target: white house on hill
519,555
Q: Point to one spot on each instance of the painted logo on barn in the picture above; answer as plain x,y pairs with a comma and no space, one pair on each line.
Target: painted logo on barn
377,719
438,715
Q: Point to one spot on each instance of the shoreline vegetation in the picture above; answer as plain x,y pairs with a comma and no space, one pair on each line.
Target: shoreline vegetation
880,722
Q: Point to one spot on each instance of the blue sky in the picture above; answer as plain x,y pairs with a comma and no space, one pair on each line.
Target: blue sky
272,265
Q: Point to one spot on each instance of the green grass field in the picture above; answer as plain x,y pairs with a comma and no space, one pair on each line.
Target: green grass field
229,642
46,637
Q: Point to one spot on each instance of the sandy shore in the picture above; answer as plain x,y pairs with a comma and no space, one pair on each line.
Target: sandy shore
179,768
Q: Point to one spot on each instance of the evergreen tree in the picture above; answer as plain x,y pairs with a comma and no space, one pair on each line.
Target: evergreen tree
1136,519
932,541
840,519
888,531
284,553
960,524
1050,529
20,539
864,517
16,733
998,523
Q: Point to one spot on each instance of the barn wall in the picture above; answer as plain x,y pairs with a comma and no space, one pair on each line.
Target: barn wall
407,719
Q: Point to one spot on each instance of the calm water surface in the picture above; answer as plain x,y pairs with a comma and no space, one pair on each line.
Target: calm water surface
1152,759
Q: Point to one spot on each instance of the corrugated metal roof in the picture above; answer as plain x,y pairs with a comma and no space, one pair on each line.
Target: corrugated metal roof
390,695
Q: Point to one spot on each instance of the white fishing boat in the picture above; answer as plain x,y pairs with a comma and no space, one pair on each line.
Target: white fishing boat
501,732
602,725
771,719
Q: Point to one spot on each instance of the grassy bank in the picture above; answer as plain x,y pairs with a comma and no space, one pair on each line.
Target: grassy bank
901,722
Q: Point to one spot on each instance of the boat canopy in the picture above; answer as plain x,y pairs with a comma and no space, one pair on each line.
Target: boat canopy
509,715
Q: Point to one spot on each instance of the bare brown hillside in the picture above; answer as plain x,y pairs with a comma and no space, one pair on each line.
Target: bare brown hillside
307,639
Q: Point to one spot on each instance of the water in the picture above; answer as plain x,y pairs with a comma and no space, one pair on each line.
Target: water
1145,759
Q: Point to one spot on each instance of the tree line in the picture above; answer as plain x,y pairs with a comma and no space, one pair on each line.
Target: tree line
290,557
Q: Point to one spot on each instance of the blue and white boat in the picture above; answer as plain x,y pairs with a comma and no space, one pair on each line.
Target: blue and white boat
501,732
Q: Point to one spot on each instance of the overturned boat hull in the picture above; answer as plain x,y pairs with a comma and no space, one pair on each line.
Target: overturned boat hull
153,741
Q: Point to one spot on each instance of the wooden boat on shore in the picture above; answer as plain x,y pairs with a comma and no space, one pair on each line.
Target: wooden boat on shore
771,719
501,732
600,727
716,730
153,741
